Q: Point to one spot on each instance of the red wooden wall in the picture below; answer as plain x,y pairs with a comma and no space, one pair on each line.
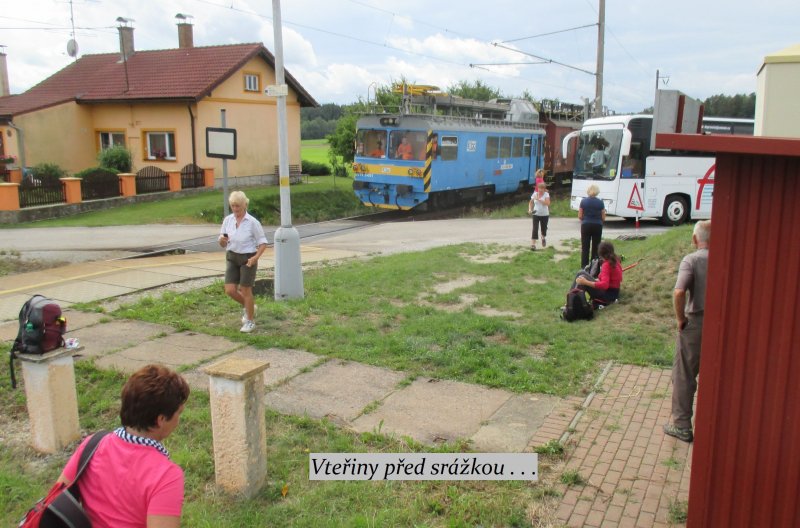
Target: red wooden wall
746,460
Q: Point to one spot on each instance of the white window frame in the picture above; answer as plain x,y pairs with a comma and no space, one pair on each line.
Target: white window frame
169,155
109,135
251,82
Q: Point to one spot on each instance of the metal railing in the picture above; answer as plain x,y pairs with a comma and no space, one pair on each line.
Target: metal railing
191,177
151,179
100,183
35,191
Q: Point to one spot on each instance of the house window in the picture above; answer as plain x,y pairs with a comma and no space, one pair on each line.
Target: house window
251,82
160,145
111,139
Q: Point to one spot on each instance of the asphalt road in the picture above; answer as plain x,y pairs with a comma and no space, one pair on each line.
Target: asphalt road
82,244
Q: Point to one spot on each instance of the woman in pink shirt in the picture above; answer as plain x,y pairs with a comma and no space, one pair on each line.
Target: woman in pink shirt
131,482
605,288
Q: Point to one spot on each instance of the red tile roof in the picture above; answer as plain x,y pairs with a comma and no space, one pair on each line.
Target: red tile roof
159,75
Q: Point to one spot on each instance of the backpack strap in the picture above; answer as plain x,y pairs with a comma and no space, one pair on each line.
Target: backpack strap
86,457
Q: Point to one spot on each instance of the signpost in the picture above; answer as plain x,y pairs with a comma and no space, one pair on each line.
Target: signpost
221,143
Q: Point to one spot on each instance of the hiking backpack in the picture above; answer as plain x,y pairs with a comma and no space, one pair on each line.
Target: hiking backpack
578,306
41,329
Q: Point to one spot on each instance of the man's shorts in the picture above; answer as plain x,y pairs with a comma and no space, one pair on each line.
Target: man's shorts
237,271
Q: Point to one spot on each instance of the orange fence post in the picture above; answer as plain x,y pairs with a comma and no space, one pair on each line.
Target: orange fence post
15,175
72,190
127,184
174,180
208,177
9,196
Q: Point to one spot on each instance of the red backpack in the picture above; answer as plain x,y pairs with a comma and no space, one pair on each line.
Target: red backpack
62,506
41,329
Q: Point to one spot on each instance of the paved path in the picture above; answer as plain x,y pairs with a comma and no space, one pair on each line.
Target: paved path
634,474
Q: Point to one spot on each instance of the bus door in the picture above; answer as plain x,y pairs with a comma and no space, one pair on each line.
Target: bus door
631,190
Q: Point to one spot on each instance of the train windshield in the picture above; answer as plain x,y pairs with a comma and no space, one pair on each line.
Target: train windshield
598,154
407,144
371,143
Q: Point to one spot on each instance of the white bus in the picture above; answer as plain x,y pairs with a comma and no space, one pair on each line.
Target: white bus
635,179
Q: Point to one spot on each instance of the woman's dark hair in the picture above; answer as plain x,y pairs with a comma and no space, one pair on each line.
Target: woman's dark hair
152,391
606,252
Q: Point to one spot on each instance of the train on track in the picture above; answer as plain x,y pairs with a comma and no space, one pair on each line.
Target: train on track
440,150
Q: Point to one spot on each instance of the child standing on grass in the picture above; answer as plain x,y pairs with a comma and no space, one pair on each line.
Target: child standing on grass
539,205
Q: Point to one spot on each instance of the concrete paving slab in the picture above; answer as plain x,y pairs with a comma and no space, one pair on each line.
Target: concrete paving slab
104,338
174,350
433,411
77,320
137,278
283,364
10,306
337,389
79,291
510,429
187,271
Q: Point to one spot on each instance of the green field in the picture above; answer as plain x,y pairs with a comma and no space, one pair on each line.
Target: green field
315,150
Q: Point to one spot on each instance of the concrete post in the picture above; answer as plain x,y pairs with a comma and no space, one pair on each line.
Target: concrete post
127,184
52,399
9,197
236,389
208,177
72,190
174,180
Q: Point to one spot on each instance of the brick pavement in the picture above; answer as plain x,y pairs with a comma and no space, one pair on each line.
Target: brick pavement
633,472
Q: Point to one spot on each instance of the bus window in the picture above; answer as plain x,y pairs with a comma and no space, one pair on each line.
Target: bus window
492,147
505,147
516,150
407,144
371,143
632,164
449,148
526,148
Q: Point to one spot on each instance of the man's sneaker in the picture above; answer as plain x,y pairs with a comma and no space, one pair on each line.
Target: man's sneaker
247,327
244,313
684,435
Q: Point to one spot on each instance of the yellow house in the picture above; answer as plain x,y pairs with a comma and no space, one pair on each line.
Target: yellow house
158,104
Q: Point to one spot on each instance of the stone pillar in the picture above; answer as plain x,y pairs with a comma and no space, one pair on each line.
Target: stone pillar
174,179
239,428
15,175
9,197
52,399
72,190
208,177
127,184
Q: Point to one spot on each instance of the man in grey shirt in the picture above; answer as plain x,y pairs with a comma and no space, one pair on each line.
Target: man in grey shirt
689,302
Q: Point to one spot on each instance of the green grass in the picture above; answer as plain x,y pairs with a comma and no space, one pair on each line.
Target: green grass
25,475
571,477
315,150
385,312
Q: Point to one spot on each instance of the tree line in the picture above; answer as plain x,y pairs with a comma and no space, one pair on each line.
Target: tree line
337,123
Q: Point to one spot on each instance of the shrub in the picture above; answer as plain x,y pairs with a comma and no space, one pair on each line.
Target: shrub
312,168
96,172
116,157
47,172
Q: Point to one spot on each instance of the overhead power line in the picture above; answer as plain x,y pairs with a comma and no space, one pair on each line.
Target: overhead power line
550,33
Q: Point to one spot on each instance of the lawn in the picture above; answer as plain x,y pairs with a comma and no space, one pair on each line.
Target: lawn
315,150
407,311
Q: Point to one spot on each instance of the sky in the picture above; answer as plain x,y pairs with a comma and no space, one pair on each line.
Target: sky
339,50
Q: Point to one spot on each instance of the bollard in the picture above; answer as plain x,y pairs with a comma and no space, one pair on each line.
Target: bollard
236,390
52,399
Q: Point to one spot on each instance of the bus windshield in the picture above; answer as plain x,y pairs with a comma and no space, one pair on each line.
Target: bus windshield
598,154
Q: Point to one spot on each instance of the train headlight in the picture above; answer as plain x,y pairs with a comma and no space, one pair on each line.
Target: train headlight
410,172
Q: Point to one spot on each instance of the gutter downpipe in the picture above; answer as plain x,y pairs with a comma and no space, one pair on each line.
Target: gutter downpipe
194,146
20,146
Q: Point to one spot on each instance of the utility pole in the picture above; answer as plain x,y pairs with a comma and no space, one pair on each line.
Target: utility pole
288,268
601,37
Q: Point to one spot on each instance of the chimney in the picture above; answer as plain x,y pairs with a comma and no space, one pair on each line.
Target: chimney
4,90
125,38
185,33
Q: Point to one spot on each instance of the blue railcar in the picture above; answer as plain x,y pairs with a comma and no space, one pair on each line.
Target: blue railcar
409,160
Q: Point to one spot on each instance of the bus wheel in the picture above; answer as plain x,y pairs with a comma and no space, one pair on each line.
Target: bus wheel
676,211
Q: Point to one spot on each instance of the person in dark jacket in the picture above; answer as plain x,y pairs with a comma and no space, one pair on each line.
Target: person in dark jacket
592,214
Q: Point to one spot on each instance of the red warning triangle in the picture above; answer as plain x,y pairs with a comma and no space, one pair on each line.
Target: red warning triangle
635,201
